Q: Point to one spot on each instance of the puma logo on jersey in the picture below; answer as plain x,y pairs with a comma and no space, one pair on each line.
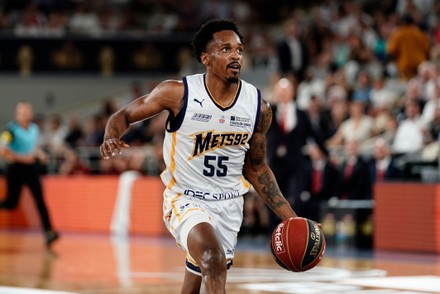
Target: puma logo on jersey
200,102
208,141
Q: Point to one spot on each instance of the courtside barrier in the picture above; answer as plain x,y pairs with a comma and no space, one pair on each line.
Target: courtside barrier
86,204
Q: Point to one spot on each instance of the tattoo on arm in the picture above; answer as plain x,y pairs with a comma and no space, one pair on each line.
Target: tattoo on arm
271,192
257,152
257,159
265,118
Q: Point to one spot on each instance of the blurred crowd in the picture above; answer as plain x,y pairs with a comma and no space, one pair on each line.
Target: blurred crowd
354,86
73,145
56,18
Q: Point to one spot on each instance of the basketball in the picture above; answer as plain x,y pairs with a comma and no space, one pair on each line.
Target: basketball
298,244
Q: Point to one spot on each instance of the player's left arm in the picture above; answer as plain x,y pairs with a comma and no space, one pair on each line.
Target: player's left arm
258,172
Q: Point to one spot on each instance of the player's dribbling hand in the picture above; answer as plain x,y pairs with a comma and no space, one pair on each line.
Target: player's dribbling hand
111,147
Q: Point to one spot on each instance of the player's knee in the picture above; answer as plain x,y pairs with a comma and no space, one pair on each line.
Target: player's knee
213,262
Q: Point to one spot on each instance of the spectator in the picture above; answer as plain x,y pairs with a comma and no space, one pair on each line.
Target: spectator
358,127
291,52
55,135
382,165
409,45
322,182
288,134
362,90
84,21
431,105
409,134
73,164
74,132
332,119
433,128
382,98
32,22
57,24
354,174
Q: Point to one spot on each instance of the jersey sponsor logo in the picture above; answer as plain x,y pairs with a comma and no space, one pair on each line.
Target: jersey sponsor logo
209,195
241,122
201,117
221,119
230,251
210,140
198,101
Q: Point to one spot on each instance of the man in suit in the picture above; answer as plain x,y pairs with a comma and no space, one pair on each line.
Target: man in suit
287,137
383,166
291,51
321,182
354,174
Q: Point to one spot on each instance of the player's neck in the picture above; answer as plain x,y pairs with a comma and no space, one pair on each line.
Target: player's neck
223,92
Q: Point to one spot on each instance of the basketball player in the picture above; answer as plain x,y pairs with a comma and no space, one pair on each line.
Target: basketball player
214,150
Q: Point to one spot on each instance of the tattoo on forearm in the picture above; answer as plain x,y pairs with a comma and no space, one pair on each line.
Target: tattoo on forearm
258,150
271,192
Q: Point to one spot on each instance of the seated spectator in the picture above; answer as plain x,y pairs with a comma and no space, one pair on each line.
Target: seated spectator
362,90
56,25
409,134
382,98
433,128
358,127
84,21
333,118
354,174
74,132
426,78
382,165
55,135
385,126
431,105
73,164
32,22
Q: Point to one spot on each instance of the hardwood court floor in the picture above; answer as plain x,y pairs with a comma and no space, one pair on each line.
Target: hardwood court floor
93,263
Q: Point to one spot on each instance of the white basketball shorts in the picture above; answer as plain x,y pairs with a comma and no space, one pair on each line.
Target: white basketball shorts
182,213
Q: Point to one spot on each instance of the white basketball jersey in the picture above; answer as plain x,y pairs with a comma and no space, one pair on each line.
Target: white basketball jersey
205,145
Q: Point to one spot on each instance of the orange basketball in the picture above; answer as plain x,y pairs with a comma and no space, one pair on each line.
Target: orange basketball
298,244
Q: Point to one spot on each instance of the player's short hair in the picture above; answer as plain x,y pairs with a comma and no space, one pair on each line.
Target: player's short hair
205,34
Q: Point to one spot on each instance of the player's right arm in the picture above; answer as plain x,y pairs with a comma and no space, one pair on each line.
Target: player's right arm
168,95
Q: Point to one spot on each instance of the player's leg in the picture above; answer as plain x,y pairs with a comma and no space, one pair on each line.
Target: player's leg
190,221
14,183
206,250
191,283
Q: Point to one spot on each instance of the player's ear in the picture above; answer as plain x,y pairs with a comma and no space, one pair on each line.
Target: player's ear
204,58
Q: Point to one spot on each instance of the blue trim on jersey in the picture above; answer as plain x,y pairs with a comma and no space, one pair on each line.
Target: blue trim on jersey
258,109
215,102
175,123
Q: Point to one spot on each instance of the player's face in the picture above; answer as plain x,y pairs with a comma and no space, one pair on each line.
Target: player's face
224,56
